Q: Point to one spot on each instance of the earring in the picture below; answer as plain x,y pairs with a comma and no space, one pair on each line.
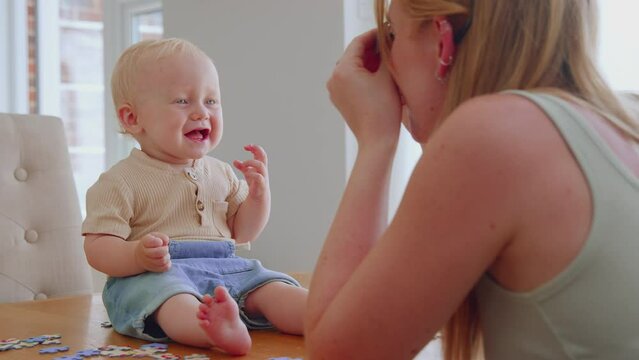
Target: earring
446,63
441,73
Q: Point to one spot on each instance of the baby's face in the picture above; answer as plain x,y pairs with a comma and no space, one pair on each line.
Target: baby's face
177,101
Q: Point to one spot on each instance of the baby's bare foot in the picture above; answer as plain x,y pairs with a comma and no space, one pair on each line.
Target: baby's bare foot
220,320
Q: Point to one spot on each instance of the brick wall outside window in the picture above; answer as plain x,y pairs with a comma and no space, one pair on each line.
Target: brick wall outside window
33,56
87,10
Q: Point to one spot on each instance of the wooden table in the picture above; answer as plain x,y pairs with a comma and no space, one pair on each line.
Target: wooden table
77,319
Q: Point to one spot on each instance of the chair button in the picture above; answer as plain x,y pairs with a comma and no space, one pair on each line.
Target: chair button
200,205
40,296
21,174
31,236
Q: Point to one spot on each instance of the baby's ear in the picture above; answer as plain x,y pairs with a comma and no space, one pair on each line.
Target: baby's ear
128,119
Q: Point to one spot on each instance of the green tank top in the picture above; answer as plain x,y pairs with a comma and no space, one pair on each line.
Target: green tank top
591,309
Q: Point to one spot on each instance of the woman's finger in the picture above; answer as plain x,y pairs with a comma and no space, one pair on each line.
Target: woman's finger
355,51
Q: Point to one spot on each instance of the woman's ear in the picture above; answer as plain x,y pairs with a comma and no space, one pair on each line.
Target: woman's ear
446,53
129,119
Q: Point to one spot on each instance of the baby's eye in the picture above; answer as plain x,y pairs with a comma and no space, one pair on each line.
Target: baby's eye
211,102
181,101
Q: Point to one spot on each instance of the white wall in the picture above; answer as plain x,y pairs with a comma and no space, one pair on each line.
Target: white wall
274,58
618,51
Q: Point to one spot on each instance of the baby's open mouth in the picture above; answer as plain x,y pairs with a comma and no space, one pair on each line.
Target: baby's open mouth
198,134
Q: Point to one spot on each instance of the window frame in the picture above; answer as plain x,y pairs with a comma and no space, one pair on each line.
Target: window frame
14,65
48,72
118,18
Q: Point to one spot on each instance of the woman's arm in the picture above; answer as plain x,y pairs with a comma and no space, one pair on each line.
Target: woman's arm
360,220
389,298
370,104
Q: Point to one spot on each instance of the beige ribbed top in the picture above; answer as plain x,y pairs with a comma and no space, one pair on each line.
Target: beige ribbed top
140,194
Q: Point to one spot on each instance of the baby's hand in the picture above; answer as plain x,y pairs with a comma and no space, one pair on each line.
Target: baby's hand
255,171
152,252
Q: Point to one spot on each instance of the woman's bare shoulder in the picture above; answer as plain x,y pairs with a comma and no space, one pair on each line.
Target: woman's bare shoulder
503,144
501,110
504,125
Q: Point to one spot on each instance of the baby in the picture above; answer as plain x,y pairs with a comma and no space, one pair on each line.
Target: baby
163,223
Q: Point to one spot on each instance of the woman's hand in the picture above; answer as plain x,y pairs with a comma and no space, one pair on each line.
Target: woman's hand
368,101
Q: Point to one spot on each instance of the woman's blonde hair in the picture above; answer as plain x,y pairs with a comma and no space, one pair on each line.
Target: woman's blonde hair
541,45
134,58
544,45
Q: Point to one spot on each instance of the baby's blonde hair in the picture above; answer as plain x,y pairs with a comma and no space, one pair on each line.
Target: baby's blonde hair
136,56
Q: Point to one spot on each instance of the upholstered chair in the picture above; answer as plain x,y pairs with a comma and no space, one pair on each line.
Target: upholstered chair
41,254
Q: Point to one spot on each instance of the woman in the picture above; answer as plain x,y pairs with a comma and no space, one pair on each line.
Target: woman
517,234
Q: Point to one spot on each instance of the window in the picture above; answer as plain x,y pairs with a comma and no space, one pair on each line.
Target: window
52,55
126,22
81,88
147,26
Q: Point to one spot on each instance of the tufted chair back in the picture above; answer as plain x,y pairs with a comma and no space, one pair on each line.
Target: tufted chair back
41,253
